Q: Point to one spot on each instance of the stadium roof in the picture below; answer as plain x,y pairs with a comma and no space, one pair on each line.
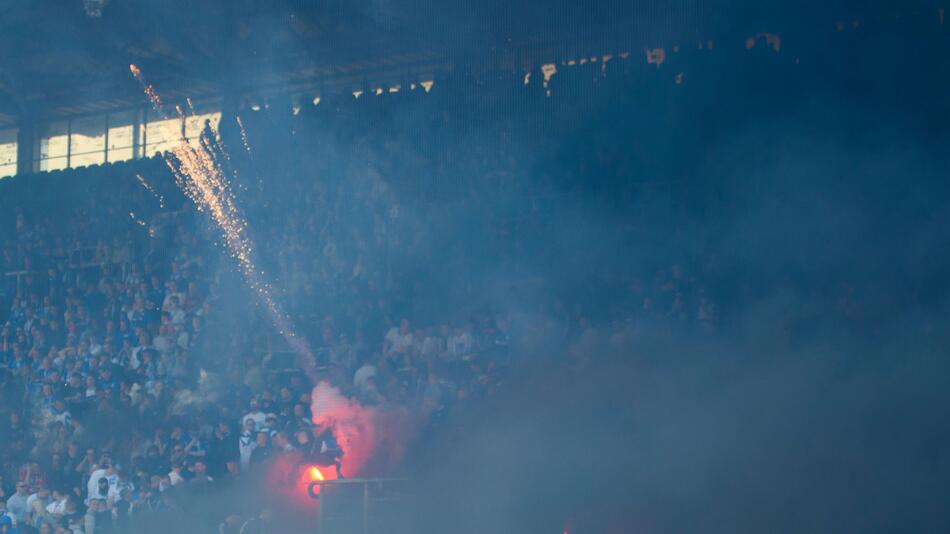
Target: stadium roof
57,60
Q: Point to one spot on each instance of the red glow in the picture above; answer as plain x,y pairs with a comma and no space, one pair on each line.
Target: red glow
290,476
372,441
309,475
353,425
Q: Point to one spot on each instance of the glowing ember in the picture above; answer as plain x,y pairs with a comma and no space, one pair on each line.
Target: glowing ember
137,221
603,63
656,56
771,39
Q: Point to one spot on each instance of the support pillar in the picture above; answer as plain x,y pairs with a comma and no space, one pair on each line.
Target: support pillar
25,145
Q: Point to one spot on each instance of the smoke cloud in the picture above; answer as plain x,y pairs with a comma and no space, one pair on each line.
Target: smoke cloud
373,440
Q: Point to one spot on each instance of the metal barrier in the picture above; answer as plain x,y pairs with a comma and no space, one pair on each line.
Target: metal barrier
18,275
364,505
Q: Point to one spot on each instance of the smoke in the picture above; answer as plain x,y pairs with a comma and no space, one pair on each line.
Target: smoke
806,412
373,440
353,425
210,389
789,419
707,435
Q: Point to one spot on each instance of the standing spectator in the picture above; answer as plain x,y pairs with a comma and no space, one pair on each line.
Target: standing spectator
37,505
175,475
247,443
32,475
262,451
259,524
16,505
282,442
398,340
98,518
200,480
255,415
230,525
102,481
222,449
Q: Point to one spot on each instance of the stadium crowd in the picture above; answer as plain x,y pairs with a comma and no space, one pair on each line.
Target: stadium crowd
133,378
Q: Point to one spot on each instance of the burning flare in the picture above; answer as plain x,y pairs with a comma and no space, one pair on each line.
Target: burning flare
315,473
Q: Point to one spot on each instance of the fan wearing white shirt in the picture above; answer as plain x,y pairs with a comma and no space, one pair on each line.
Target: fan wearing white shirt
398,340
94,487
57,505
256,415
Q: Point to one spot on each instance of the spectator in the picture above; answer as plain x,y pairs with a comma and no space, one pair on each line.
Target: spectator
17,507
262,451
247,443
200,476
398,340
255,415
282,442
259,524
113,339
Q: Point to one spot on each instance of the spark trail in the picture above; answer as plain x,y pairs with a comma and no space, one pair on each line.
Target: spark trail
247,146
199,170
150,189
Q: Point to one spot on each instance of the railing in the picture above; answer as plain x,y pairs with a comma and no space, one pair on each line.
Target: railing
364,505
4,294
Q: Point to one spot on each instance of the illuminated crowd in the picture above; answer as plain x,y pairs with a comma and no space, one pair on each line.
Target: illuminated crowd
135,375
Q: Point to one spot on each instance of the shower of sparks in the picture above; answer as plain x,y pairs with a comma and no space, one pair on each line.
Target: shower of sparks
150,189
199,172
247,149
